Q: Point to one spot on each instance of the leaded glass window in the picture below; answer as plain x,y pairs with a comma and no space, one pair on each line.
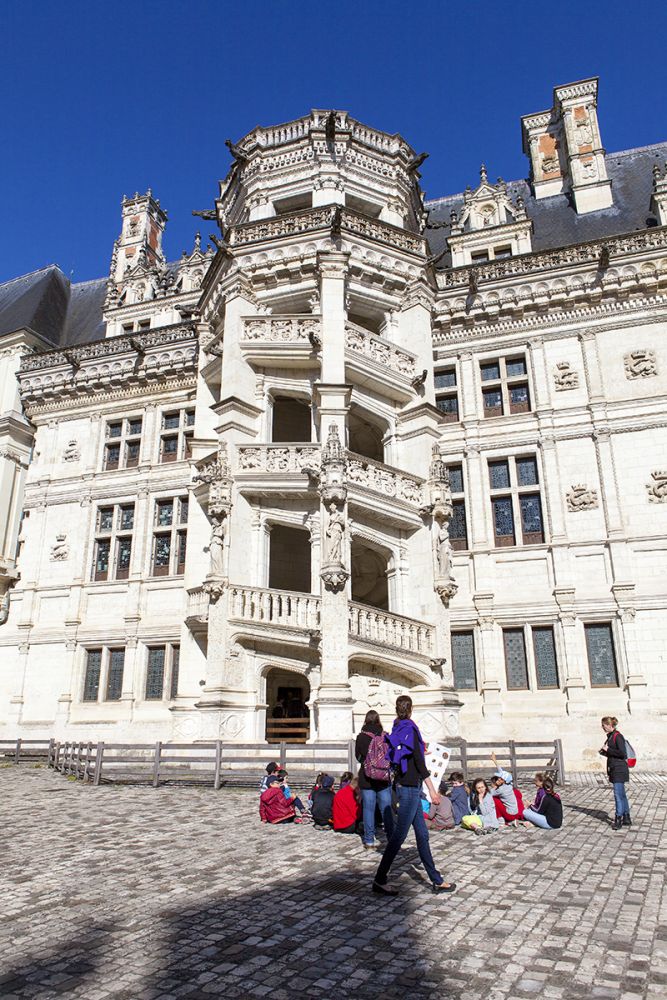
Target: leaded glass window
445,379
515,367
102,550
506,386
169,540
515,659
499,475
125,440
115,674
175,661
176,435
455,478
155,673
458,528
503,521
526,471
601,655
164,511
91,683
105,519
490,371
546,667
463,661
162,551
114,535
531,519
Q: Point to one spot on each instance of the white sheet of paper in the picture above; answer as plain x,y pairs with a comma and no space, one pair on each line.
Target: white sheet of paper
437,760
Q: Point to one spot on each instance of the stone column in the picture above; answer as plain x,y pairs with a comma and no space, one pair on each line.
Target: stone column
574,683
630,663
490,686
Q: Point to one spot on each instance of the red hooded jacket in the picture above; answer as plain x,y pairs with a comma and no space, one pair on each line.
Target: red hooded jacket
273,806
346,809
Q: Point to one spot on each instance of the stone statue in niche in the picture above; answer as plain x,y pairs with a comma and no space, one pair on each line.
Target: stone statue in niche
216,549
60,549
335,531
71,452
640,364
443,551
565,377
580,497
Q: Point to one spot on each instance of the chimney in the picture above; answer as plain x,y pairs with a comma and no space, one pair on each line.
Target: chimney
140,240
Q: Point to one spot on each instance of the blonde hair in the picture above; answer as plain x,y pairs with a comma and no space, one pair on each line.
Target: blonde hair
609,720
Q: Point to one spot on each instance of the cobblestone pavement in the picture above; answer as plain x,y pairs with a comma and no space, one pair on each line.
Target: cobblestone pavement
139,894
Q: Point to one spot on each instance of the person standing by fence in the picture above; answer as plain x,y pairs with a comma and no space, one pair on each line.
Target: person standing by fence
615,751
407,756
375,790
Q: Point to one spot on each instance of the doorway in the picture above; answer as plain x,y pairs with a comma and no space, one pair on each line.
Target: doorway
287,715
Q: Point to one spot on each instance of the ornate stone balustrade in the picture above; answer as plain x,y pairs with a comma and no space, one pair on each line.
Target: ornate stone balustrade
314,219
385,629
383,352
278,458
281,329
278,135
275,607
383,479
143,342
197,604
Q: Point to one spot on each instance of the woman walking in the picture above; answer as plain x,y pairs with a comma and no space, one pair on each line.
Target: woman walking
407,756
615,751
371,750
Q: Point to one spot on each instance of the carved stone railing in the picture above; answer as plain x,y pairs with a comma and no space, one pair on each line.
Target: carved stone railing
281,329
278,458
383,479
385,629
197,603
278,135
314,219
580,253
137,342
383,352
285,608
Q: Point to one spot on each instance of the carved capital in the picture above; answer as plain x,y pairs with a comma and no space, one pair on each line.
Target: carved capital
334,577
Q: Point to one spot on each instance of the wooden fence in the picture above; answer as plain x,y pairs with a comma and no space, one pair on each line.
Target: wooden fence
219,764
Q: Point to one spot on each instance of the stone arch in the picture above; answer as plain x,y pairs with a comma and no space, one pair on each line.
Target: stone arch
286,692
376,682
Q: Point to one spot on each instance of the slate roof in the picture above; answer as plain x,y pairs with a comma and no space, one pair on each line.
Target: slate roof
47,303
555,221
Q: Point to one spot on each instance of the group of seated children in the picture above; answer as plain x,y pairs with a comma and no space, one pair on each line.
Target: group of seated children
476,806
327,809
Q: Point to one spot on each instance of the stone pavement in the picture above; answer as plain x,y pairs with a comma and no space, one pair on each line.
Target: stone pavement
139,894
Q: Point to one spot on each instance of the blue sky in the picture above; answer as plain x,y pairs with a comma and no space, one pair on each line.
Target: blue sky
105,98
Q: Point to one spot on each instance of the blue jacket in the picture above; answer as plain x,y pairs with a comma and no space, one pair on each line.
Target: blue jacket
459,800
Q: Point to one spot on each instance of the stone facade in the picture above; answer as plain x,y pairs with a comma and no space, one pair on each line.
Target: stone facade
369,443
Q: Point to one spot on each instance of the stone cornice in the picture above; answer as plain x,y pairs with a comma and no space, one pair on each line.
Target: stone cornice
97,400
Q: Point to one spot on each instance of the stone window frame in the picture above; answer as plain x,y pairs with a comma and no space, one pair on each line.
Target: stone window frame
106,654
114,537
514,492
447,392
505,383
170,670
616,647
176,531
472,632
527,631
125,439
178,435
458,502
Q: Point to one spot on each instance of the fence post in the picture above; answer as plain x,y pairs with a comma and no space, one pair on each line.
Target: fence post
513,767
56,757
218,764
17,754
49,755
86,763
156,764
464,757
560,761
283,756
98,763
66,757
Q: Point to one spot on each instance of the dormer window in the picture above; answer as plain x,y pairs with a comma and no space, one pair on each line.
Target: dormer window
491,224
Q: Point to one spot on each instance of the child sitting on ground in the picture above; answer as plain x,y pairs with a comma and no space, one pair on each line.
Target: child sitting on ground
270,769
508,800
322,798
289,795
345,779
347,807
458,796
274,808
549,814
539,785
440,817
482,816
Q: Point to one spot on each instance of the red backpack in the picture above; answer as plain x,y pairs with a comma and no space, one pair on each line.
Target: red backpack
630,754
377,766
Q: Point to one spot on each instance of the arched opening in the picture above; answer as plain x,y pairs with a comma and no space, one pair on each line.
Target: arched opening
287,715
291,419
289,559
369,576
365,437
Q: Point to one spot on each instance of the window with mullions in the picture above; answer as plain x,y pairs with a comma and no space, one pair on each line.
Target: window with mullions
123,443
516,665
505,386
446,395
162,672
170,536
544,651
530,657
515,500
176,435
458,526
113,542
104,673
601,655
463,661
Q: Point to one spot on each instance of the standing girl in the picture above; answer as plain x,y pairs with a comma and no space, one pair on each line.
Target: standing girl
615,751
375,791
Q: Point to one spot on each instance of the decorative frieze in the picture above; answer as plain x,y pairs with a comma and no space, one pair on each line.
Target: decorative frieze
657,488
565,377
381,351
382,479
640,364
282,329
279,458
580,497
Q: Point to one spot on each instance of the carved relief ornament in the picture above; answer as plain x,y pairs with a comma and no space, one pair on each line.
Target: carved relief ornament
657,489
640,364
565,377
580,497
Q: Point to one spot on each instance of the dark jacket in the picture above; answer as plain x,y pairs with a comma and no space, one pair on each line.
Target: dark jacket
322,809
416,771
361,746
616,753
460,805
551,808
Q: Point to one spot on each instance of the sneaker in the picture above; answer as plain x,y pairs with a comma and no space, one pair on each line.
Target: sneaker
384,890
370,847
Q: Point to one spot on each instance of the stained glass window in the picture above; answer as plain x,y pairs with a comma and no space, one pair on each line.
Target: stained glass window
124,554
515,659
503,520
175,661
499,475
463,661
114,430
519,396
515,367
526,471
458,528
155,673
448,405
164,510
127,518
135,426
115,675
601,656
162,550
546,667
493,399
170,420
531,519
490,371
456,478
105,519
91,684
102,560
445,380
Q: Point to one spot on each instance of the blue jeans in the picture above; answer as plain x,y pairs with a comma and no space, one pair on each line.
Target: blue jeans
537,818
621,799
409,815
370,800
